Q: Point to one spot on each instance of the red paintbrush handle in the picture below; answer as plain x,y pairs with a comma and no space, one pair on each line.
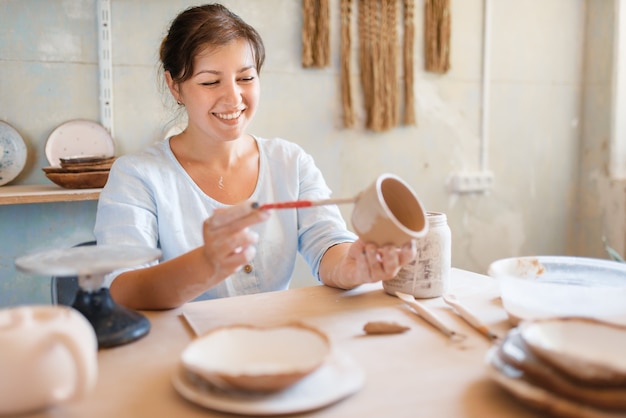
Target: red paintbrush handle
303,203
285,205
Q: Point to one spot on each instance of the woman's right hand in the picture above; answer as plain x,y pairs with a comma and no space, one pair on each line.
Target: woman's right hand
229,243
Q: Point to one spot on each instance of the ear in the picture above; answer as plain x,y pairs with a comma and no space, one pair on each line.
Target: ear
173,86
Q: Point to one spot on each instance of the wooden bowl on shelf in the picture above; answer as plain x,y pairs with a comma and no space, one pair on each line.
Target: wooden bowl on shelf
78,180
86,163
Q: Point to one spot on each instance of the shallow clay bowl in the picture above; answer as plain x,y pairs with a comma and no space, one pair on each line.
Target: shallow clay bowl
79,180
584,349
77,169
87,164
85,159
256,359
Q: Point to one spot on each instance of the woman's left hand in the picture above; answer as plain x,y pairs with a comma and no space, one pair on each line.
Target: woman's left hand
373,263
349,265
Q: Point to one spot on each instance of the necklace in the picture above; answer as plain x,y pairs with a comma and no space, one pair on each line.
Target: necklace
193,170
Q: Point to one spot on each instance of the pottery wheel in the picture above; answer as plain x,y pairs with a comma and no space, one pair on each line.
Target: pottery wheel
114,324
88,260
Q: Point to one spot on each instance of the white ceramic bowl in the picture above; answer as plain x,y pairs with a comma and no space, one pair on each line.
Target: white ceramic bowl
550,286
256,359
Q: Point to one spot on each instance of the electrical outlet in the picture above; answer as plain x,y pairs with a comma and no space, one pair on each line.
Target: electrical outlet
471,181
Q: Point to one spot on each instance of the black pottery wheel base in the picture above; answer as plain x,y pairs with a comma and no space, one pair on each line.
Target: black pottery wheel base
114,324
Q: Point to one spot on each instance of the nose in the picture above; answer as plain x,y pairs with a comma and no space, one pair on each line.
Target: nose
232,92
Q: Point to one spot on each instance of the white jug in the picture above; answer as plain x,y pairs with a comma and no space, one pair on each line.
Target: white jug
48,355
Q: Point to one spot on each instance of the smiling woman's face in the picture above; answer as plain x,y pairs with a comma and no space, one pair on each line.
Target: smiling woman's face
222,95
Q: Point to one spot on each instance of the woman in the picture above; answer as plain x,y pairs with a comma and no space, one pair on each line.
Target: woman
190,195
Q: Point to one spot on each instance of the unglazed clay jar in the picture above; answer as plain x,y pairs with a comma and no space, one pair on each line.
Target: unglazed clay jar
48,355
428,276
389,212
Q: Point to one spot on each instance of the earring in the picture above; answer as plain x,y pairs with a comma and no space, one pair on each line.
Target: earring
179,103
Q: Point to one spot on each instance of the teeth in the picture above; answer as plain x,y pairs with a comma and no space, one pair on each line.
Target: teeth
229,115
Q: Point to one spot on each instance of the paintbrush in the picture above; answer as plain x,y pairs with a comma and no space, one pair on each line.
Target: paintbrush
297,204
429,316
469,317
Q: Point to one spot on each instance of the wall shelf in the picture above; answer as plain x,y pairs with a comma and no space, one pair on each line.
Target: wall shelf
17,195
25,194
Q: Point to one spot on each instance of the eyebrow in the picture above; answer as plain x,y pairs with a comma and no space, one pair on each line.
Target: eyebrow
241,70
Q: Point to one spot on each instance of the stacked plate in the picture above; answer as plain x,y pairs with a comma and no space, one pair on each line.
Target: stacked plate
567,366
82,172
80,153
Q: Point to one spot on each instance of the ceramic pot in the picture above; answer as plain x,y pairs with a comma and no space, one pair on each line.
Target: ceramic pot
48,355
389,212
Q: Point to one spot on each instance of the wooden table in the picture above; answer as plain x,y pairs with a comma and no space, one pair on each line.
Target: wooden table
419,373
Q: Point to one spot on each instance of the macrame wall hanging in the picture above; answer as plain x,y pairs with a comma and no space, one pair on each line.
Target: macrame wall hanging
437,35
346,67
379,56
315,33
407,60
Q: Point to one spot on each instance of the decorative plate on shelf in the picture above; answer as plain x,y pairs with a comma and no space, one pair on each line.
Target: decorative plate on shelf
78,138
13,153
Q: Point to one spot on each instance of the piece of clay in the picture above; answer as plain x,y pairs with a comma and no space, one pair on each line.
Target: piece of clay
384,327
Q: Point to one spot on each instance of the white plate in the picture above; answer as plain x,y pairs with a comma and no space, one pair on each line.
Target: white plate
338,378
12,153
78,138
512,380
584,349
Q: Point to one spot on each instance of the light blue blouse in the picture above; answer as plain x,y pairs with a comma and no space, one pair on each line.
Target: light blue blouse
150,200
